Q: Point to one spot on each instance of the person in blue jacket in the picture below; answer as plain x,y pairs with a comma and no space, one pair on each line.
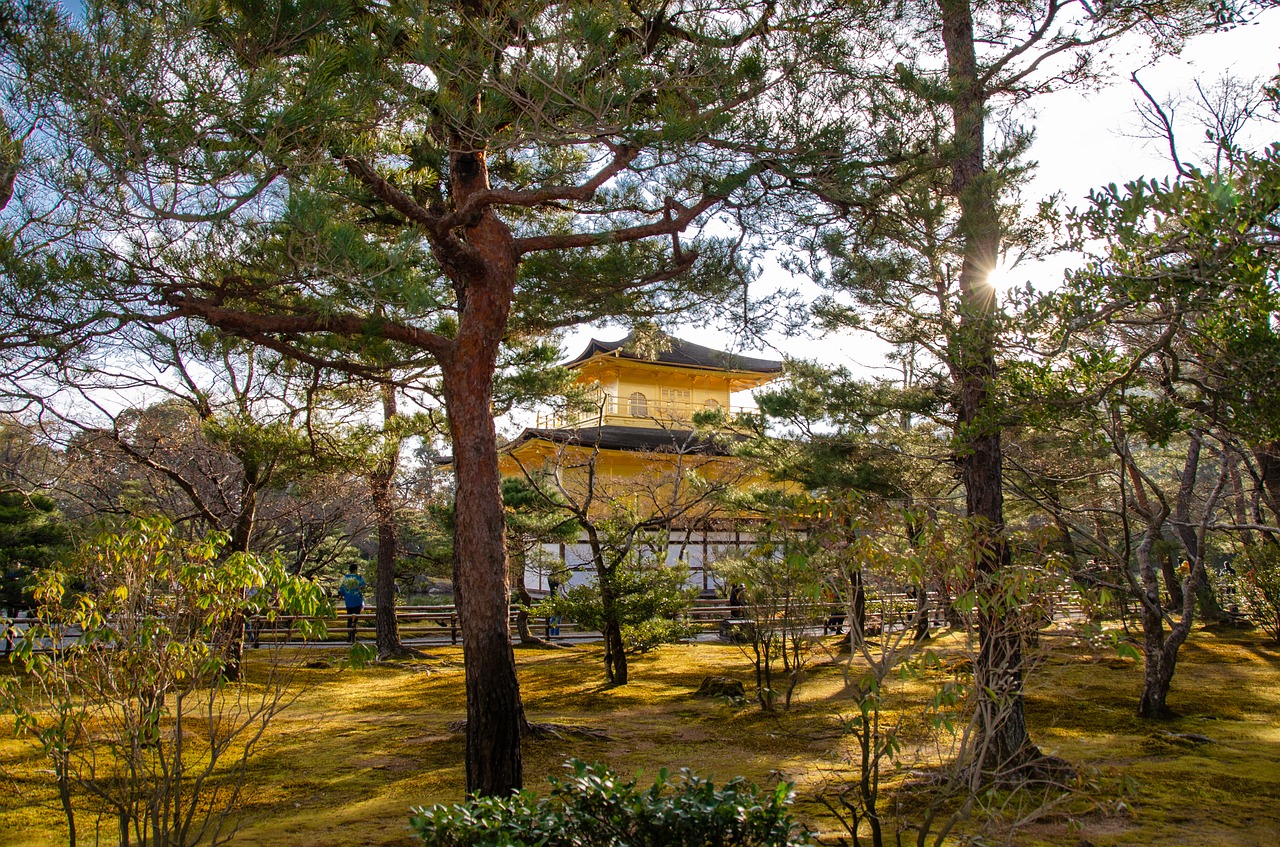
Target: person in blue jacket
351,587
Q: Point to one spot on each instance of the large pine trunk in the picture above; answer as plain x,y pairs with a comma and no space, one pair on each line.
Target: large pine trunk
1005,744
485,281
494,712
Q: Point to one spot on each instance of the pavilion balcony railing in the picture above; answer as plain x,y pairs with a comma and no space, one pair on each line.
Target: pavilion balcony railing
662,412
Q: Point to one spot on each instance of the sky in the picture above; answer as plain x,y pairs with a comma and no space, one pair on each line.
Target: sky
1084,140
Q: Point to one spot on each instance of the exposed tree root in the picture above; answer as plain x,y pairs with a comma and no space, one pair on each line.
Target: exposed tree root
533,642
402,652
563,731
538,731
1037,768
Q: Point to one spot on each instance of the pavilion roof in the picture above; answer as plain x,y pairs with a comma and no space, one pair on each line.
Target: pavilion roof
680,353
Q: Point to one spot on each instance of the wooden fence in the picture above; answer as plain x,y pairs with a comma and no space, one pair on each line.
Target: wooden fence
438,625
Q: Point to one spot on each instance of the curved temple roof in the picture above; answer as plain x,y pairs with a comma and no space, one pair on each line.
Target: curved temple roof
680,353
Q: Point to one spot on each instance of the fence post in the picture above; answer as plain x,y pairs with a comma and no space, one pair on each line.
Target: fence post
453,628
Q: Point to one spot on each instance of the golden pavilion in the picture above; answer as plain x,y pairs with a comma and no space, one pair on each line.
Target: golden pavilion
635,440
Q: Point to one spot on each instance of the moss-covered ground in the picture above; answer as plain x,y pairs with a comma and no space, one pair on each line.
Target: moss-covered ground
359,747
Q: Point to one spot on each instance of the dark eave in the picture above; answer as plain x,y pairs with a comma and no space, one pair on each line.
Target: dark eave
627,438
679,353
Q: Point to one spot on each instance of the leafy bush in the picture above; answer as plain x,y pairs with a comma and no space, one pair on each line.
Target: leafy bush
651,600
590,808
653,633
123,687
1258,585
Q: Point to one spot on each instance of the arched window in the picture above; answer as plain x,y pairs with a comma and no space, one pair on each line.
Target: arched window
711,404
639,405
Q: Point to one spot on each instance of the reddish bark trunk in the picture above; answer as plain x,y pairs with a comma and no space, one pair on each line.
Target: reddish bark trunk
495,716
494,712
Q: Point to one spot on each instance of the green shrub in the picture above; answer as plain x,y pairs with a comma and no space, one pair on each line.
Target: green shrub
647,635
590,807
134,711
651,600
1258,586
